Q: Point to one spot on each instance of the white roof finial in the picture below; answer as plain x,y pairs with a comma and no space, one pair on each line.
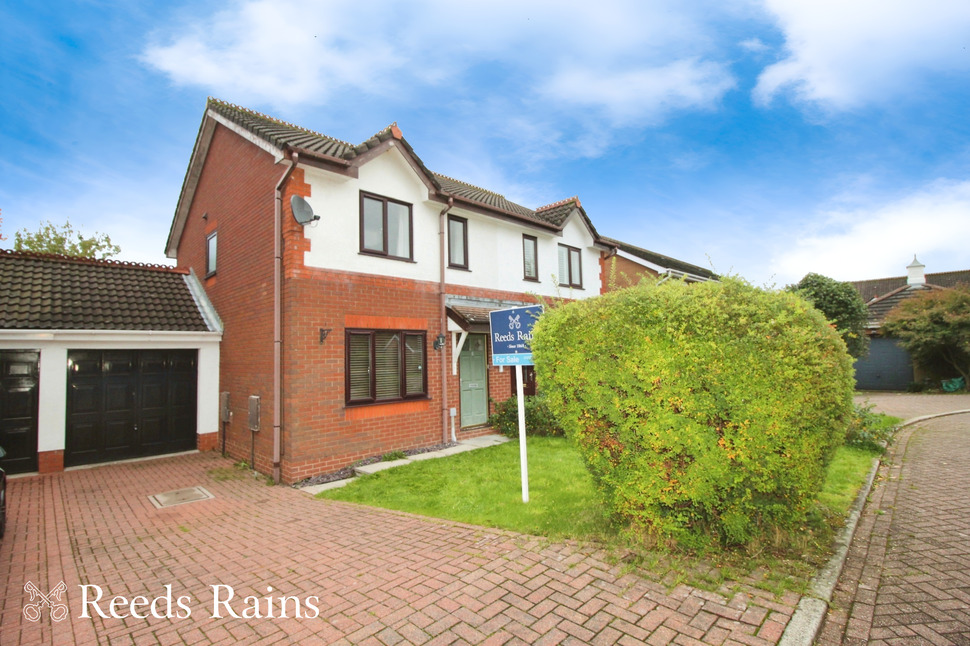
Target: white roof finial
915,272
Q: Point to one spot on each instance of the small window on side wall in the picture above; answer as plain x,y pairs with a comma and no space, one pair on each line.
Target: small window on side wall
211,246
530,258
457,242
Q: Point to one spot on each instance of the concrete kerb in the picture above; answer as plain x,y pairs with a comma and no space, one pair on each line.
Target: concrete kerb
465,445
803,627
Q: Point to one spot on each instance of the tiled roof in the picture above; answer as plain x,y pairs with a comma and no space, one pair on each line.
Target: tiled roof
870,289
282,134
557,212
881,306
48,292
482,196
659,259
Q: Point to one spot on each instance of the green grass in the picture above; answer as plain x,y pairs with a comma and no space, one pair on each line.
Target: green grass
845,477
482,487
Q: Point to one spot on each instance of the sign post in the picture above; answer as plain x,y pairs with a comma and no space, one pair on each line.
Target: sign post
511,332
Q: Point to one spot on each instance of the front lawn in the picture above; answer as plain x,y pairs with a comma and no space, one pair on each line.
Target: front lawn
482,487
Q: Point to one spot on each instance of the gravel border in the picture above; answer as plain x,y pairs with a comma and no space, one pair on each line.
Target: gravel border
348,472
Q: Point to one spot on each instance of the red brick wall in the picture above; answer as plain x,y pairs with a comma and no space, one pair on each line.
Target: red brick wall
236,191
50,461
207,441
321,433
618,272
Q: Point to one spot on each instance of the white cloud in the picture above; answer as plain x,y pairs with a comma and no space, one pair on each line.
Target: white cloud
879,240
645,94
645,58
841,55
754,45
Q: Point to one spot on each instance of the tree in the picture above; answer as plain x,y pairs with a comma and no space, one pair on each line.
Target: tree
935,325
842,305
65,240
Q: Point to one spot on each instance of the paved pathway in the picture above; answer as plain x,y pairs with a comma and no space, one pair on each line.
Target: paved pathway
376,577
907,576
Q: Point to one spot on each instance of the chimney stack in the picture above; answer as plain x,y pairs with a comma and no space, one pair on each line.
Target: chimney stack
916,275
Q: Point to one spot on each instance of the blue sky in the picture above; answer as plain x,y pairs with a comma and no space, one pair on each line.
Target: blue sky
766,138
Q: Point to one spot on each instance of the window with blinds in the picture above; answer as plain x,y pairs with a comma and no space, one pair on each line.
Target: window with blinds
530,261
570,267
385,365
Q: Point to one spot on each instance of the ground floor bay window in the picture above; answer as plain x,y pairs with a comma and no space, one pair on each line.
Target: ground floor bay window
385,366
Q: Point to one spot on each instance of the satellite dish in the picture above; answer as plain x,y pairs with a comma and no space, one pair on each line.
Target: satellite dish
302,211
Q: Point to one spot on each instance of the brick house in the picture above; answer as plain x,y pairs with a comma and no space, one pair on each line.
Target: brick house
363,331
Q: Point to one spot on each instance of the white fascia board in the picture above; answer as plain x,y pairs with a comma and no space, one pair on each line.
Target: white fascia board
130,338
206,309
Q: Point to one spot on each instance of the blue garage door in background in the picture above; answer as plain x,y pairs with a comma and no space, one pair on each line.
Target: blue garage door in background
888,367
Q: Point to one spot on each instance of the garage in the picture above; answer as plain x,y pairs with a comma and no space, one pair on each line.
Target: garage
887,367
129,404
103,361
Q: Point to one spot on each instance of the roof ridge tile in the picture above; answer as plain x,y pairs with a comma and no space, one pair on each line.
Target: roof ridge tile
100,262
574,198
281,122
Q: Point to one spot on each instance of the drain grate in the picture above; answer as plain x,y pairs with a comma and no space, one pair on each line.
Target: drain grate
180,497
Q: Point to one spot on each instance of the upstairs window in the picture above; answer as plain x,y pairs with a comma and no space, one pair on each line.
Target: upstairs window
211,245
570,267
530,258
385,227
385,366
457,242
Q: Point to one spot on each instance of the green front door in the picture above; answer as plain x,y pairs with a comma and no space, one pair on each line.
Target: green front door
474,381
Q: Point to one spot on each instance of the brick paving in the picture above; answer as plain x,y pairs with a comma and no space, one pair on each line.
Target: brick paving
377,577
907,576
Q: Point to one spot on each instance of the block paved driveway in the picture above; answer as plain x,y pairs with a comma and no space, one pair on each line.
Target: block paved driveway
907,576
380,577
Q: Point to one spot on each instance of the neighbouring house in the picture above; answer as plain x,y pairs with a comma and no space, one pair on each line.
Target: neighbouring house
103,360
888,365
627,264
355,285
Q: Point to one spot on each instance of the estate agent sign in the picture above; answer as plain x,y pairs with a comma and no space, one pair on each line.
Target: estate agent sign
511,332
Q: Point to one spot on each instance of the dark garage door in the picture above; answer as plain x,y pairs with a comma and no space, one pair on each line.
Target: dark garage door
18,409
888,367
129,403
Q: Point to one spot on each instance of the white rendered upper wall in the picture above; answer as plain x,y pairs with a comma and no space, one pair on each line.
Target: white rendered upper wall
494,245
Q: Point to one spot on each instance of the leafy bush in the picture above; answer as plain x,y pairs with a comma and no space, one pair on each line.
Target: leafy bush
841,304
870,430
704,412
538,418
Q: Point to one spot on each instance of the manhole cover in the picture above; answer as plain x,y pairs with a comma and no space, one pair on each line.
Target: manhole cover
180,497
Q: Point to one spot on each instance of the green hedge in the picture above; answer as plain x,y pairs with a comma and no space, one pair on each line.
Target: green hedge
704,412
539,420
